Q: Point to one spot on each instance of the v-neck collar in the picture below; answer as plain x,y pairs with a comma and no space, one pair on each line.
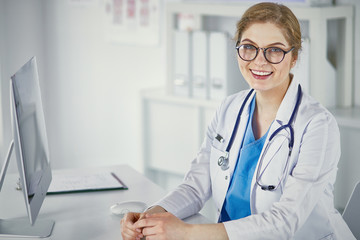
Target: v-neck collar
249,137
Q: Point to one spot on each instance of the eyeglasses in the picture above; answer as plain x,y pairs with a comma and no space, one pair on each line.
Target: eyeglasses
249,52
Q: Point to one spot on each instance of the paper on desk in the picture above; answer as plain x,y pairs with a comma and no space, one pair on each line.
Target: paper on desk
64,183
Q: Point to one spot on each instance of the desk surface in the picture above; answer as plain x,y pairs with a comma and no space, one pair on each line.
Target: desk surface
86,215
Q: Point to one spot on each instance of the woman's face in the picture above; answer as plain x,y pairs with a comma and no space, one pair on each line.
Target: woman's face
259,73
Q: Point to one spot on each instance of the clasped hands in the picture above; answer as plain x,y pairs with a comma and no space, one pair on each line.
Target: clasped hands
155,223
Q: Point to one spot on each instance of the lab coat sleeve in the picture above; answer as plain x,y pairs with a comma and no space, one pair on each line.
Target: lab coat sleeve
189,197
312,174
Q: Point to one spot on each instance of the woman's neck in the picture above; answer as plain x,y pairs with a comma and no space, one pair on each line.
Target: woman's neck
267,105
269,101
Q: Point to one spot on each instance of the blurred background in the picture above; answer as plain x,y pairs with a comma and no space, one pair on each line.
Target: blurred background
90,84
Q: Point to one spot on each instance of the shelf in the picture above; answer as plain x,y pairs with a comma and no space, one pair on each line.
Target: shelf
161,95
345,116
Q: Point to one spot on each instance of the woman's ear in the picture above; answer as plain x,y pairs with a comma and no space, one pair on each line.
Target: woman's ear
293,63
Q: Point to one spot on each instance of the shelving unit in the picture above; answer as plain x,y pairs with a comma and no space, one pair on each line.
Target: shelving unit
317,19
174,126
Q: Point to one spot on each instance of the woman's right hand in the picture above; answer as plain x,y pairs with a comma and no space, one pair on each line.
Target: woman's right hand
128,231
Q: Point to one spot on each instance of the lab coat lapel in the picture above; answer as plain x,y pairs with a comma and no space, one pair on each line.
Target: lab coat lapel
234,152
282,118
275,144
288,103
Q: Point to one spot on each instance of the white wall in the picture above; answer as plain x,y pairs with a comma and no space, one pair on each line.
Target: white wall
21,36
90,86
93,89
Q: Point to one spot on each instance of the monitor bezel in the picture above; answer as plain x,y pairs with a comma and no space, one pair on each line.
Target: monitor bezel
33,203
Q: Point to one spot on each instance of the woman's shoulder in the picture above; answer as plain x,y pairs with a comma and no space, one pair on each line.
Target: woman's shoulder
311,109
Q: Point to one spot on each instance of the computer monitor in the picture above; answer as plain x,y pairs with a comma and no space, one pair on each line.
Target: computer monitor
31,149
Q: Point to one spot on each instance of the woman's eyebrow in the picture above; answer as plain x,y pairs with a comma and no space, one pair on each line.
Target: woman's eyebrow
278,43
247,40
271,44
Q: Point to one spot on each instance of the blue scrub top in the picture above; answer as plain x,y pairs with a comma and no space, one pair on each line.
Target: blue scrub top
237,200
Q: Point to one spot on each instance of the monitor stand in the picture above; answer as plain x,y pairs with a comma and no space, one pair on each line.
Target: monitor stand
6,164
21,227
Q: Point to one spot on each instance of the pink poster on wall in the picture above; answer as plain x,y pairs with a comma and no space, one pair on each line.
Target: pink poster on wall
128,21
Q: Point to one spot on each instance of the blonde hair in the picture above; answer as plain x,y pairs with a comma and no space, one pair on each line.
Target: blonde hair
277,14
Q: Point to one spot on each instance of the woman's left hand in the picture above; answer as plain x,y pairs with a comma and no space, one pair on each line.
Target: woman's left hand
163,226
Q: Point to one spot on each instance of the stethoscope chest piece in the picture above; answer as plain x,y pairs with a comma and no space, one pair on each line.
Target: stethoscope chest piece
223,162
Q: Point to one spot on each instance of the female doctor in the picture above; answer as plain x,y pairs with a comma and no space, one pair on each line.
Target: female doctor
269,157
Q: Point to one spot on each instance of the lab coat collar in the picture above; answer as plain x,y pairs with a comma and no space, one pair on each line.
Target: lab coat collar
282,118
288,103
234,152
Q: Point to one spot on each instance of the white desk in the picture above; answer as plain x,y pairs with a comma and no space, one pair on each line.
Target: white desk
86,215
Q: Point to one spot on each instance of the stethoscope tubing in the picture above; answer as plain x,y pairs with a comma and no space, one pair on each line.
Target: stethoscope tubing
288,125
224,160
233,134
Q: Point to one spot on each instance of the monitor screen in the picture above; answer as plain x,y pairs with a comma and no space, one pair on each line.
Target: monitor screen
30,139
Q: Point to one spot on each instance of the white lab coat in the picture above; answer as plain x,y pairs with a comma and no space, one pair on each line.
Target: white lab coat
302,207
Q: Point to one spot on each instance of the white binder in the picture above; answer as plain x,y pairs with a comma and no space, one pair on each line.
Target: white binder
224,73
181,63
200,58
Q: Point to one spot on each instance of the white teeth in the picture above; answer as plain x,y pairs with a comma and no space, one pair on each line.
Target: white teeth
261,73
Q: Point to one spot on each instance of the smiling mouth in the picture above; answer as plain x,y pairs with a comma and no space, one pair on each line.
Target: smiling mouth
261,73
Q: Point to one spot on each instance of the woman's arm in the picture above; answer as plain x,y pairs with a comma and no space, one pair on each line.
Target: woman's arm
167,226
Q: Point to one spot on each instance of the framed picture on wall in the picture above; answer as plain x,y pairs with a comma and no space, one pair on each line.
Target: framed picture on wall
134,22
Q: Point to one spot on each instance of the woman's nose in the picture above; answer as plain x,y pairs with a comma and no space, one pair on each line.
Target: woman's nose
260,59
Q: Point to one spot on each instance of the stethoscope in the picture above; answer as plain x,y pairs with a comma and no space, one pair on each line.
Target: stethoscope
223,161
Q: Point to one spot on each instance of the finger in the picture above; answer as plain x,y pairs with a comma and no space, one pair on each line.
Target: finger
126,236
128,229
157,215
145,222
153,237
131,226
142,216
131,217
129,234
148,231
129,220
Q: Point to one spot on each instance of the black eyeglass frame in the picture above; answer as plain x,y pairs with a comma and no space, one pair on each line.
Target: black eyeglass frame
264,52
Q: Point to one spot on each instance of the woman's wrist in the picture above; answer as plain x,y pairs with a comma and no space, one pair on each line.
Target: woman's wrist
205,231
155,209
190,231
